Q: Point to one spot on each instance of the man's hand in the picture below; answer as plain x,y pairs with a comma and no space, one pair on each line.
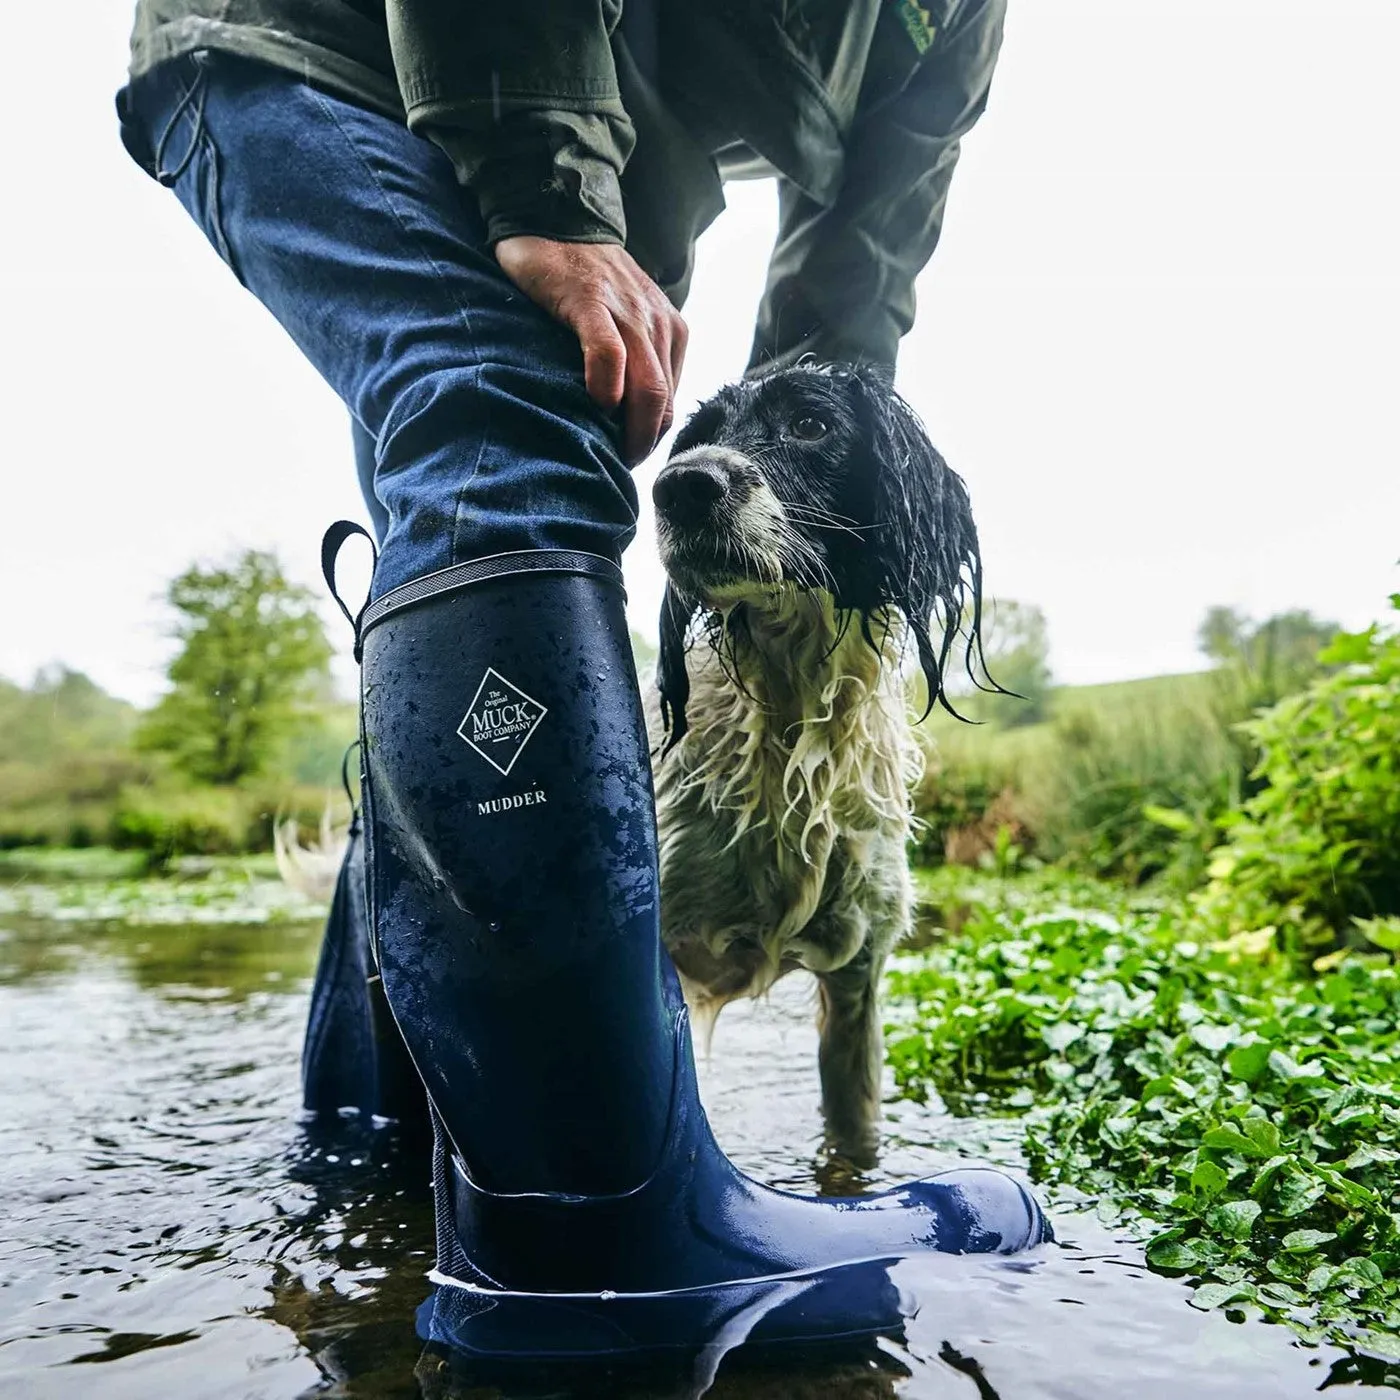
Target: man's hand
633,339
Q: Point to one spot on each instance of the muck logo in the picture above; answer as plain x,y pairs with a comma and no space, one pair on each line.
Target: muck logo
500,720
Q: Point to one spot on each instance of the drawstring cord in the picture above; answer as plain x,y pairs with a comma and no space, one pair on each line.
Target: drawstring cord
196,93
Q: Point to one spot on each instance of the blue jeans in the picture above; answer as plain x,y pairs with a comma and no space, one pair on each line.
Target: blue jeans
472,427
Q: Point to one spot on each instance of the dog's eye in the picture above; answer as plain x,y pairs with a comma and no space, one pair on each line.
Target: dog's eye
807,427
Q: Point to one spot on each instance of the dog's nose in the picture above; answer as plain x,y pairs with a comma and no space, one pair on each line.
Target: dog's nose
687,494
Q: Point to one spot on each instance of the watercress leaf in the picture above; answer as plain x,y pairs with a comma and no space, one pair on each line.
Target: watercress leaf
1117,1131
1108,1211
1263,1134
1353,1193
1384,932
1248,1062
1335,990
1172,1254
1286,1067
1234,1219
1369,1154
1280,1294
1303,1241
1228,1138
1296,1192
1215,1295
1383,1346
1359,1115
1266,1176
1212,1037
1362,1270
1060,1036
1209,1178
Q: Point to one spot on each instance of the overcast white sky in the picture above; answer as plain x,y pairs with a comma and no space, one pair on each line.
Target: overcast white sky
1161,340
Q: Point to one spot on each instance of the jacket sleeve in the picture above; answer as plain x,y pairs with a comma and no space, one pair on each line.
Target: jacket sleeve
523,97
841,280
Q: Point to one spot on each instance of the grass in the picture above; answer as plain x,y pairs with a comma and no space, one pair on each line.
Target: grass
67,863
100,885
1089,785
1246,1120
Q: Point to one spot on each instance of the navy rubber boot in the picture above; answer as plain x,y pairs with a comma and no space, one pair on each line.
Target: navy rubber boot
353,1058
583,1206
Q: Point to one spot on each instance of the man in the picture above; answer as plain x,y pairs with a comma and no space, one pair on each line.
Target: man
478,222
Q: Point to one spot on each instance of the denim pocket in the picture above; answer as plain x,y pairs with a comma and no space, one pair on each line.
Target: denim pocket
185,157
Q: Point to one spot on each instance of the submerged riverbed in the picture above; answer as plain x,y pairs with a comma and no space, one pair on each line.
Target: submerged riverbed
170,1227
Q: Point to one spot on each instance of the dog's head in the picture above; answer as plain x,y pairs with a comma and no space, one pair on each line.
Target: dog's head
815,478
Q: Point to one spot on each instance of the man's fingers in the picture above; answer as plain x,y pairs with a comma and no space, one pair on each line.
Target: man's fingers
646,398
659,338
633,342
680,338
604,354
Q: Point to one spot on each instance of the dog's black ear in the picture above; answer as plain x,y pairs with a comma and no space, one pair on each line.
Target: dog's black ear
672,680
924,551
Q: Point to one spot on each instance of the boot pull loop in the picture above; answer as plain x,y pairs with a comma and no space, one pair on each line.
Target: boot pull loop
345,776
331,543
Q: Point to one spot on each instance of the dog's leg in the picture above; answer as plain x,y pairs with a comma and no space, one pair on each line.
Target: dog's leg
852,1056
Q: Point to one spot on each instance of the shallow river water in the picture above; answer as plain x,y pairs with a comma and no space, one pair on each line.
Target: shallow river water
168,1228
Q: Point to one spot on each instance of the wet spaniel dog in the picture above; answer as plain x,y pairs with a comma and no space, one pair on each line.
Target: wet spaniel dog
812,537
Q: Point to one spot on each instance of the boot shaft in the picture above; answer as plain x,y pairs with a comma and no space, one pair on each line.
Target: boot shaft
514,887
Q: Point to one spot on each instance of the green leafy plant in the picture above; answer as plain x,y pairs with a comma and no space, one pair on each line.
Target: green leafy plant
1318,845
1119,771
1248,1119
961,807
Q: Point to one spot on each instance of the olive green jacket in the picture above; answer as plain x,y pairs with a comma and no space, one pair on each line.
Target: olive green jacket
591,121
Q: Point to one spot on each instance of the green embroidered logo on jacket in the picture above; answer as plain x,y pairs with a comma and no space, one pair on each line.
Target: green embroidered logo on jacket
917,24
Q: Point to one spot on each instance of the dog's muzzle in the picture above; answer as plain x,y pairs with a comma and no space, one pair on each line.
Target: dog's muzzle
690,494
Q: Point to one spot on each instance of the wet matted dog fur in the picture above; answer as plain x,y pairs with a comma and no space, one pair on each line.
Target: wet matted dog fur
812,538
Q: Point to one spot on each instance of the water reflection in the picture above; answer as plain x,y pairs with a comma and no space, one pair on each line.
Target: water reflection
864,1372
169,1226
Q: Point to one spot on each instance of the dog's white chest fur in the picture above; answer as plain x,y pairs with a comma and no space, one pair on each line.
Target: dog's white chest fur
784,811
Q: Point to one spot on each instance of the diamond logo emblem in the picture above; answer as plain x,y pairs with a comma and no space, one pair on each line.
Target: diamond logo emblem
500,720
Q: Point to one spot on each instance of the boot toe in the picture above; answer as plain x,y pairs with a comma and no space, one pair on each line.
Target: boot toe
981,1210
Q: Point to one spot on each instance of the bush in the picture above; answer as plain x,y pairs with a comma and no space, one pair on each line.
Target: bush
166,824
1114,772
54,824
67,802
70,777
168,821
1318,844
962,801
1250,1117
1126,780
62,713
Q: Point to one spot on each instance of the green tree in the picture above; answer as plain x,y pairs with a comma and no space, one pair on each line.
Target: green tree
1018,657
1270,659
62,713
253,663
1222,634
